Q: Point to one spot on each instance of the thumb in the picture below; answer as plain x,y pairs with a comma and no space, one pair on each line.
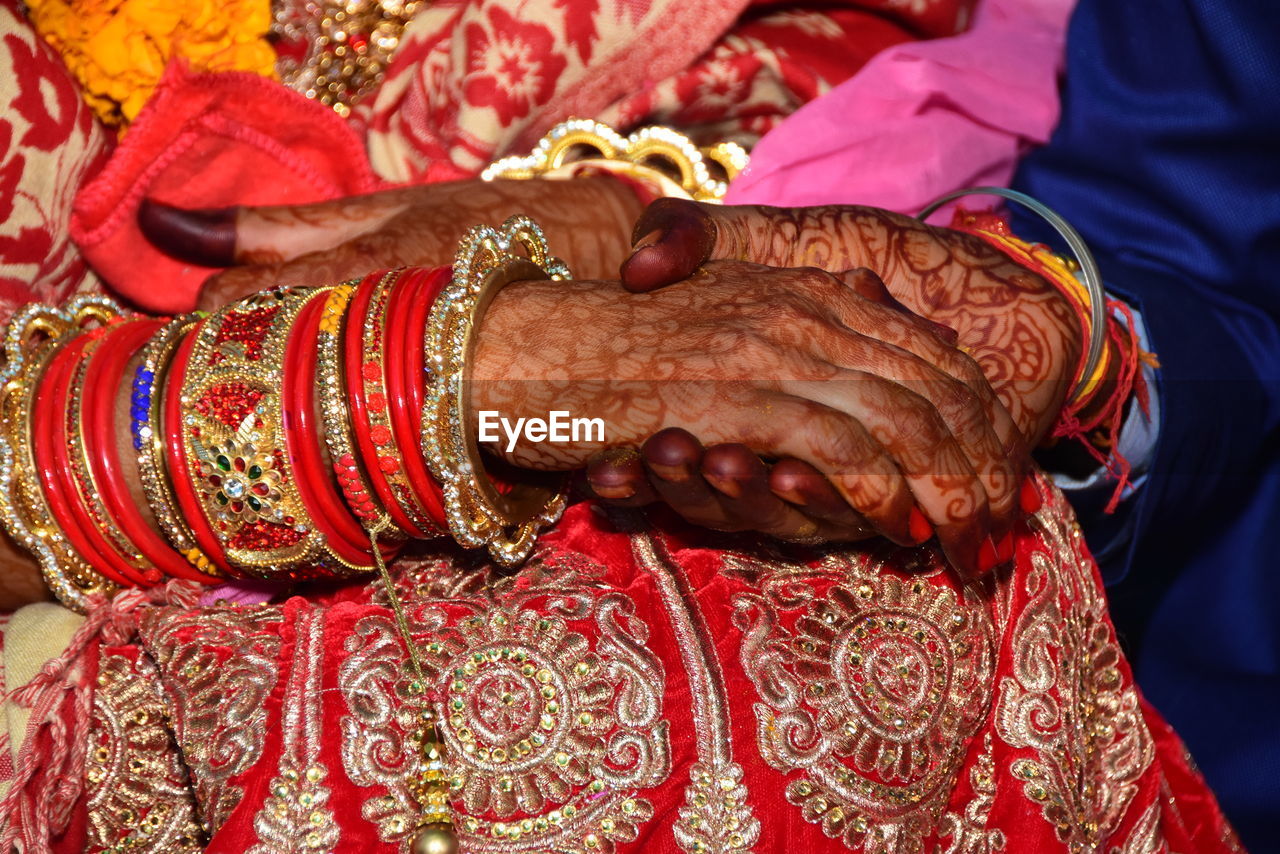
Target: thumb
672,238
224,237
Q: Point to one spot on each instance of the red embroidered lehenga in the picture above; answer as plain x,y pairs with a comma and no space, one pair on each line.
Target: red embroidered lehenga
633,688
638,685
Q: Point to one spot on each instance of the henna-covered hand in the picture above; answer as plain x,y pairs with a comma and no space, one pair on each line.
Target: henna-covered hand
791,363
587,222
1016,325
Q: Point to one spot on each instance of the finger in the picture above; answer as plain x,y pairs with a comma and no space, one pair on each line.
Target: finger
672,457
674,236
384,249
222,237
804,486
671,239
737,473
914,436
984,428
618,477
838,446
866,284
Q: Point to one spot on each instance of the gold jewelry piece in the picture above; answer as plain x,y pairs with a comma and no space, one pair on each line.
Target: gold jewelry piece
152,471
660,157
430,787
479,515
336,413
31,339
346,46
234,438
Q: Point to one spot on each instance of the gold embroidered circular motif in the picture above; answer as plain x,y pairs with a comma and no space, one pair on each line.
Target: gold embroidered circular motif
870,684
551,709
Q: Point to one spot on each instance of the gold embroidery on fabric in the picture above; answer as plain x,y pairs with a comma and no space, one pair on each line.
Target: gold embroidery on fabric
295,817
137,794
870,684
1145,837
968,832
218,665
549,739
1066,698
717,816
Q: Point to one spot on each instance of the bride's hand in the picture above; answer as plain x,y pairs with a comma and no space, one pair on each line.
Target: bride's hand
1017,326
587,222
788,362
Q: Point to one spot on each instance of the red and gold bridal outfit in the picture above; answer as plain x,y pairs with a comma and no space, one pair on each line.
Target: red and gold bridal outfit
637,688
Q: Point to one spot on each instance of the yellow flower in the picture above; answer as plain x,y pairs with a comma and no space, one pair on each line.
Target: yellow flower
118,49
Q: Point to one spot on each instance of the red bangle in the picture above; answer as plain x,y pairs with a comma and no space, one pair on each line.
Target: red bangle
48,428
406,354
103,380
324,504
364,351
176,458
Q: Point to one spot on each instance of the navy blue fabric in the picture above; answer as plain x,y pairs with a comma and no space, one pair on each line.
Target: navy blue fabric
1167,159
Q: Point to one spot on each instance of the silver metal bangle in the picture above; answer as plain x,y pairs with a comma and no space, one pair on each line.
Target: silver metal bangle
1088,266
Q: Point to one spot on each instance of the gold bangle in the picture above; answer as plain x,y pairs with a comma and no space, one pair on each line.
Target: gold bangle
31,339
688,173
233,431
152,470
479,515
337,421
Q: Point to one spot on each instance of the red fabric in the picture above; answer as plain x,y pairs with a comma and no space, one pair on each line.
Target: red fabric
210,140
689,667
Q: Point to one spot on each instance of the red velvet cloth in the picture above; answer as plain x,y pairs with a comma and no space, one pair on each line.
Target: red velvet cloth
673,688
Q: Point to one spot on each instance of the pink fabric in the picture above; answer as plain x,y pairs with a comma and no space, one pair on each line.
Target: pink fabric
922,118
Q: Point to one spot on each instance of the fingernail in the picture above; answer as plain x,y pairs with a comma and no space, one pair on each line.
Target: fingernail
1029,497
205,236
614,491
613,473
731,487
946,333
919,526
649,239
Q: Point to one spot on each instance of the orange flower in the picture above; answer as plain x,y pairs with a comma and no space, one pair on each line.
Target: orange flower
118,49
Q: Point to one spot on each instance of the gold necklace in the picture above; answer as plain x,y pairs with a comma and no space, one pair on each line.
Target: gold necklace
430,786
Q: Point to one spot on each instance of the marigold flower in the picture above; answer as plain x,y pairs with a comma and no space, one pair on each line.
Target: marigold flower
118,49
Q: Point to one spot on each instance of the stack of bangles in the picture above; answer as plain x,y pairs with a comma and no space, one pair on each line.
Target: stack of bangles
1108,374
299,433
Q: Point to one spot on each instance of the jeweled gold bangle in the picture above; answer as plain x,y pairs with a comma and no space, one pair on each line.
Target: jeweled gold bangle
478,514
665,160
233,434
149,438
31,338
337,420
370,395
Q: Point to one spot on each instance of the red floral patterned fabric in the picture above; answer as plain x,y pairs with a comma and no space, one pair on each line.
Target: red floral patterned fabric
472,81
49,142
634,690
